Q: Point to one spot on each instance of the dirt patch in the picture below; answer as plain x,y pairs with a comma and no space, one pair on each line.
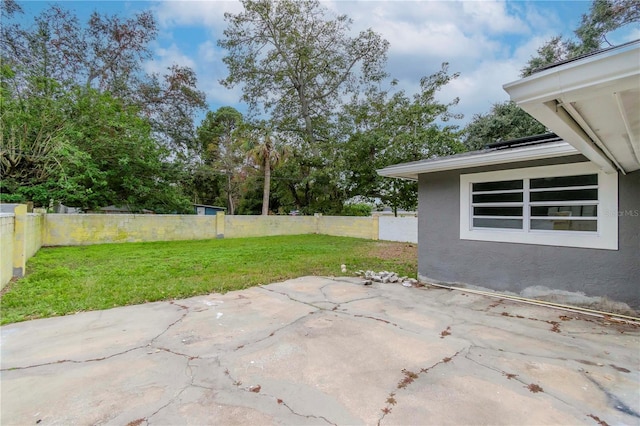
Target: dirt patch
7,287
390,251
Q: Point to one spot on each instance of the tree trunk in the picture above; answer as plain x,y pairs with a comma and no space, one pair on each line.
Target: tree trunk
230,196
267,189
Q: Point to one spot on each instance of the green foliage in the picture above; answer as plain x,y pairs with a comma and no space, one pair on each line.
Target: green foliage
604,17
297,62
358,209
220,138
390,128
504,121
81,123
66,280
83,148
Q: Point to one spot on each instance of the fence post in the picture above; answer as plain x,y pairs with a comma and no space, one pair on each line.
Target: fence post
220,224
19,240
375,228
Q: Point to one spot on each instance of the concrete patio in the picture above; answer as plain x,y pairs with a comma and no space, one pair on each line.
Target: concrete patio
318,350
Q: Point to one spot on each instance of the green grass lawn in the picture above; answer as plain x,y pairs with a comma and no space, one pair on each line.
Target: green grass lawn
66,280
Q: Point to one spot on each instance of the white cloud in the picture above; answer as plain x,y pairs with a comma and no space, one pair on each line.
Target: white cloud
488,42
209,14
492,17
167,56
481,87
208,52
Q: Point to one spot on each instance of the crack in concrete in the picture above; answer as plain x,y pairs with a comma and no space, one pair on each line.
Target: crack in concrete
307,416
320,308
509,376
72,361
184,314
410,377
273,332
359,299
612,399
163,349
236,383
292,299
189,373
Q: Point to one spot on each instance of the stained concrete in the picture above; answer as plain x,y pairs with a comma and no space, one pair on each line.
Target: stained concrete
322,351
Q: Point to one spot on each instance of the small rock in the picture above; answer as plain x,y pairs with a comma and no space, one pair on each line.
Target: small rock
255,388
367,282
343,267
407,284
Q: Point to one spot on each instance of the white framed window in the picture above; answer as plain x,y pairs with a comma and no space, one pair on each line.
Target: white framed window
571,205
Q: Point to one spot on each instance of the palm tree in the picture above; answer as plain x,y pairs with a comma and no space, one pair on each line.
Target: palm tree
264,152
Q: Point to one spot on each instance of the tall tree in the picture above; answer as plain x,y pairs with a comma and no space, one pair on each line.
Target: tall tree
264,151
221,137
65,83
503,122
83,148
105,53
604,17
387,128
297,63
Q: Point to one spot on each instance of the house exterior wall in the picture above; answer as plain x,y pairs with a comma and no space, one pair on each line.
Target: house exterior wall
444,257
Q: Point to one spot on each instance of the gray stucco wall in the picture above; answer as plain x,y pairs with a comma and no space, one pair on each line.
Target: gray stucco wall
512,267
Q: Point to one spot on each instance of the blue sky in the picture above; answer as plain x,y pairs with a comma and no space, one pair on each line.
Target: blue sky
488,42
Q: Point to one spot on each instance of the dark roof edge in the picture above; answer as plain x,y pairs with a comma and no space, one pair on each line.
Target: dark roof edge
584,55
526,140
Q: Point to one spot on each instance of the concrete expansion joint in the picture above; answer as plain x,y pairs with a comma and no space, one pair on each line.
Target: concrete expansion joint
410,377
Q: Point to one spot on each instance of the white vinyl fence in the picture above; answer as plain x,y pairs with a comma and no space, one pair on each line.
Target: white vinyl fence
404,229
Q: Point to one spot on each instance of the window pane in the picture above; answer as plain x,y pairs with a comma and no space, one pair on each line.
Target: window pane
497,186
565,225
497,211
498,198
583,211
570,195
563,181
497,223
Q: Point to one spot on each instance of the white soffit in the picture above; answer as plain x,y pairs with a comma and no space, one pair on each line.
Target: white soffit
464,161
591,102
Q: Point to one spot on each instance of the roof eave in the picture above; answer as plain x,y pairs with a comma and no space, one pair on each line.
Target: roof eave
553,96
528,153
